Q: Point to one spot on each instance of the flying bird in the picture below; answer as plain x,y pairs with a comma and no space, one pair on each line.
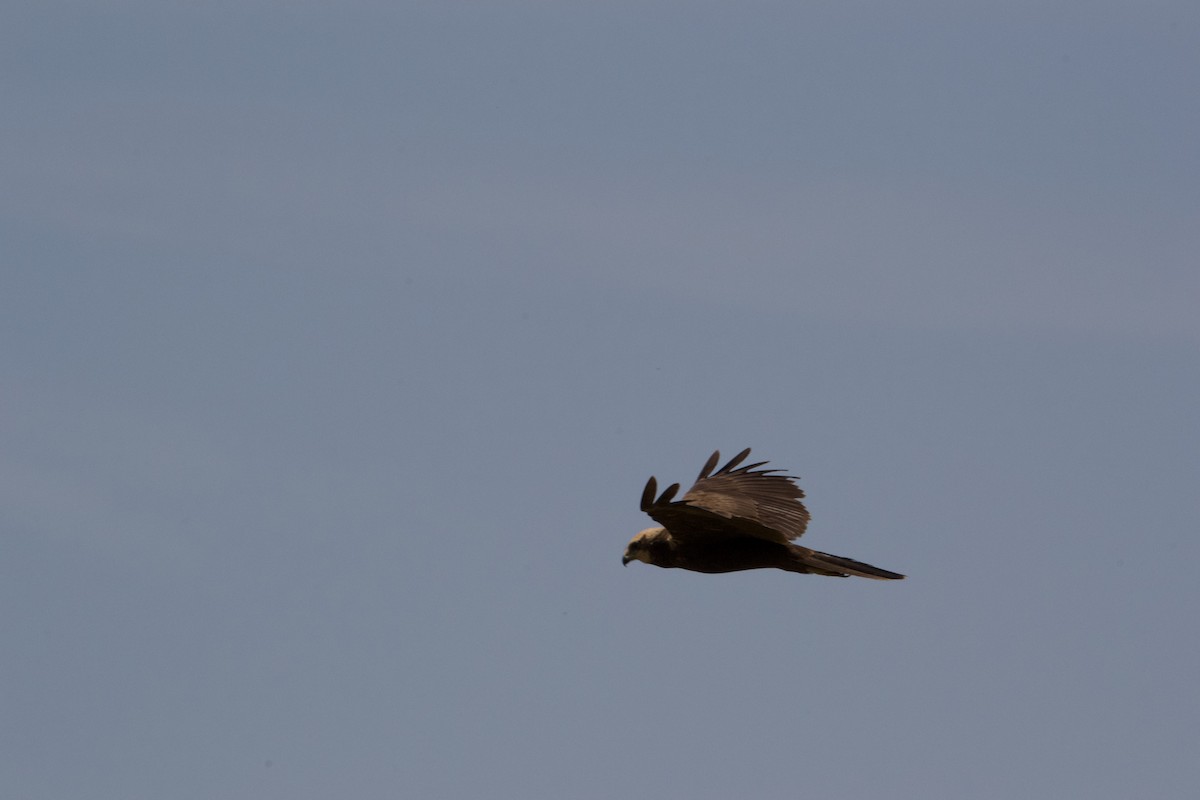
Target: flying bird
734,519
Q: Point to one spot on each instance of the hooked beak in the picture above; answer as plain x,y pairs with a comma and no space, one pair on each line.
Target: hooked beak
625,561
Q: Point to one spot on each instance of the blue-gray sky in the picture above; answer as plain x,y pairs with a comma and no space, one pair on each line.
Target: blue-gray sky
339,340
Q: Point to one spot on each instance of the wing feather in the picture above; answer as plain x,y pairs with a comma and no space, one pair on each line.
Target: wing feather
668,494
708,465
733,462
648,494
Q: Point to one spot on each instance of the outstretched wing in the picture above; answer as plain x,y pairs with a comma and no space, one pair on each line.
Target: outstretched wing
733,501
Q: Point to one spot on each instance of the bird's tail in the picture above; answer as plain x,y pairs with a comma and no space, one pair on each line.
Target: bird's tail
826,564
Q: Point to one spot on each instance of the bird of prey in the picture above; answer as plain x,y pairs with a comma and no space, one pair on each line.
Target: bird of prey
734,519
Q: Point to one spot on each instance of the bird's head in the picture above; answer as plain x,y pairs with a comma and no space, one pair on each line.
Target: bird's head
643,546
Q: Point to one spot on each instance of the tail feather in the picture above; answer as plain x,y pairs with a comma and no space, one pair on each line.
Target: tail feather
827,564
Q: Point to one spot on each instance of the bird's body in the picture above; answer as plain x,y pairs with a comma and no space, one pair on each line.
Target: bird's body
736,519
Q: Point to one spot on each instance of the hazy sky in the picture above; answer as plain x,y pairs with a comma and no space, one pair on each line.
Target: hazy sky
340,339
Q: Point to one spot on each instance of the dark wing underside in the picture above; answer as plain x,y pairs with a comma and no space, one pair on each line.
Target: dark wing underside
733,501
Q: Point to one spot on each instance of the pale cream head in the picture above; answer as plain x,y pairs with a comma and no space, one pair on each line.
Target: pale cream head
639,547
